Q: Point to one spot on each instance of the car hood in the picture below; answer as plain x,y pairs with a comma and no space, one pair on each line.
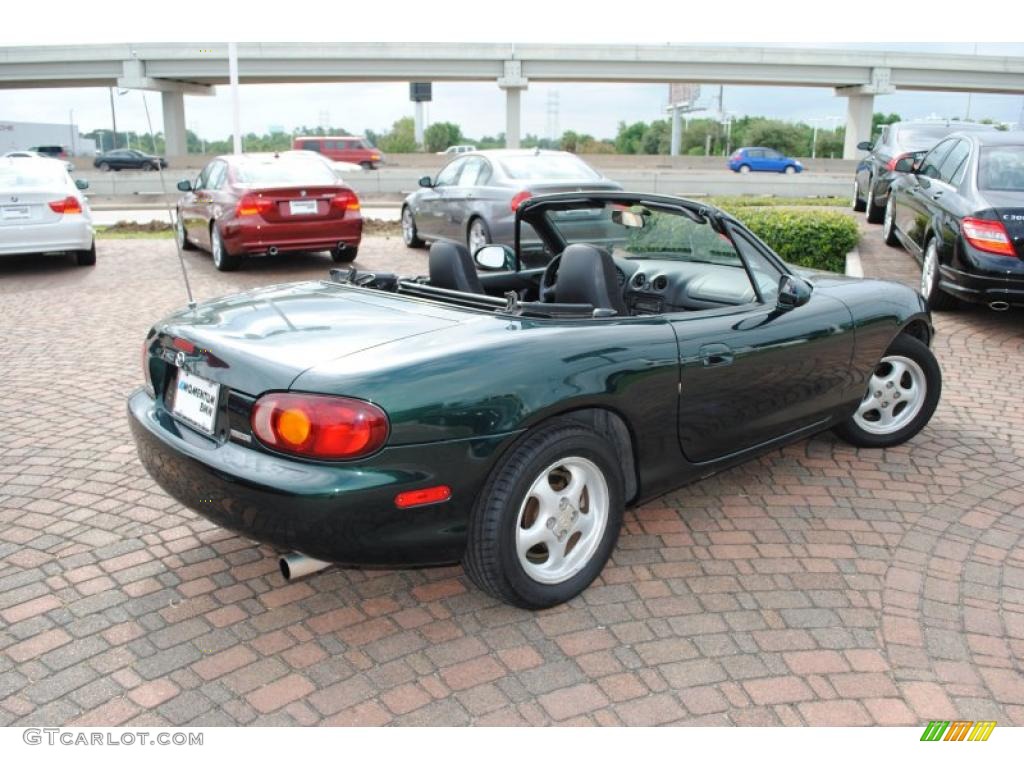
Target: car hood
262,340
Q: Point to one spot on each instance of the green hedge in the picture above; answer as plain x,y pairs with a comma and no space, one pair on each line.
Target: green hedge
816,239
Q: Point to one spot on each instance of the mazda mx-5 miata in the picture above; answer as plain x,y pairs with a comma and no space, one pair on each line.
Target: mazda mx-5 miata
505,417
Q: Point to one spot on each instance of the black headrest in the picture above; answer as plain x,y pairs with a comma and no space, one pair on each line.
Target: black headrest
452,267
586,275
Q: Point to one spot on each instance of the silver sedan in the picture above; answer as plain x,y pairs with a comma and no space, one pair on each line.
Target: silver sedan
473,200
43,211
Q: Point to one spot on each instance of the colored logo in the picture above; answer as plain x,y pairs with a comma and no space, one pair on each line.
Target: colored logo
958,730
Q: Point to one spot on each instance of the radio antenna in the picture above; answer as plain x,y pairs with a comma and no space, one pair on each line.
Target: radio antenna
175,220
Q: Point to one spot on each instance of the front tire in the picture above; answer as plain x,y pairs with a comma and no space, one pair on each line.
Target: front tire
874,211
222,259
744,168
930,276
410,235
901,397
547,519
179,234
858,201
889,224
104,167
790,170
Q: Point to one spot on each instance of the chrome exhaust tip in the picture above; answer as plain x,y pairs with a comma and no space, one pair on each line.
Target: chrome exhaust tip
272,250
998,306
297,565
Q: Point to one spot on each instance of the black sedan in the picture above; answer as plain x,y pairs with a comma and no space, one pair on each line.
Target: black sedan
506,419
960,212
128,159
877,170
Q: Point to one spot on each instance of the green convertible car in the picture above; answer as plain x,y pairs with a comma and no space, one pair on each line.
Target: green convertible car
504,417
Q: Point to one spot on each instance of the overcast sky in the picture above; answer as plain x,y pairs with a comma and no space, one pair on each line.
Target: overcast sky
479,108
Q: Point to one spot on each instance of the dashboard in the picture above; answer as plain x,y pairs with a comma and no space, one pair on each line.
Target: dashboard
651,286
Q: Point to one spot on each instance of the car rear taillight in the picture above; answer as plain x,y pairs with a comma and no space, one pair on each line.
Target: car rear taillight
891,165
319,426
345,201
69,204
253,205
988,236
519,199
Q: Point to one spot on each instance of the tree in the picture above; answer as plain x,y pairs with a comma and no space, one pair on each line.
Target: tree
573,142
880,118
787,138
401,139
440,136
629,139
657,138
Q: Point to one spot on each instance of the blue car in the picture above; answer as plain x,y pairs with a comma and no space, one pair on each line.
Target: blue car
747,159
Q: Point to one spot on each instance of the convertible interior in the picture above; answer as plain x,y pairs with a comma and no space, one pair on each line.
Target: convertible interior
607,258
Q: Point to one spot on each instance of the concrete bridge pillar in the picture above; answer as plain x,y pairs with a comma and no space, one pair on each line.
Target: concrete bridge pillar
513,83
175,137
860,107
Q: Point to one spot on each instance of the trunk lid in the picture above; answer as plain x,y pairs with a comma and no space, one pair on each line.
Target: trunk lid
262,340
18,207
299,203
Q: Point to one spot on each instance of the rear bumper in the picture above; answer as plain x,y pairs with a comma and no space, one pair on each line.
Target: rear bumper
71,233
983,289
343,513
255,237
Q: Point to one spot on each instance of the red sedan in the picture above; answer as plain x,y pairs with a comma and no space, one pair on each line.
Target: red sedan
244,205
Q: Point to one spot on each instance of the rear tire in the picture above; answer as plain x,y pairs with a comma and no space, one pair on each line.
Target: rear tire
104,167
560,485
86,258
179,234
875,213
744,168
222,259
891,392
931,274
477,236
889,224
344,255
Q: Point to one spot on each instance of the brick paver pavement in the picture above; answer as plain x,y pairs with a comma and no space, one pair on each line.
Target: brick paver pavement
819,584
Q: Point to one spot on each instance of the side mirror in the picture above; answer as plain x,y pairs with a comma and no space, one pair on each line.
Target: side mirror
426,181
494,257
865,145
793,292
81,184
185,185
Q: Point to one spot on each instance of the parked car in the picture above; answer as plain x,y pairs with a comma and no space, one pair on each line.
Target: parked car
349,149
506,417
42,210
458,149
54,151
32,153
474,198
877,170
263,204
128,159
747,159
960,212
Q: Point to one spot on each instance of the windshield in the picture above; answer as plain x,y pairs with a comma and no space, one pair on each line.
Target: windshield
31,175
306,172
1001,169
647,234
546,168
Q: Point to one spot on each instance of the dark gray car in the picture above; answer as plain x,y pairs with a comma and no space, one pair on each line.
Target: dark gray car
877,170
473,199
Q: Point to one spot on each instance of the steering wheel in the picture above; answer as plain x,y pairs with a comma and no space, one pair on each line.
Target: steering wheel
548,280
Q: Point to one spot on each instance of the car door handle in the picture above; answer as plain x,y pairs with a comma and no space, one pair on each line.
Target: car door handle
715,354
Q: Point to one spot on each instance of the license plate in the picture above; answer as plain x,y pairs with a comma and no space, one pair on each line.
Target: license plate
195,401
12,212
302,207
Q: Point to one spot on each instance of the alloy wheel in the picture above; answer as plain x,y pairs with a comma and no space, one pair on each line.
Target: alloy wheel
408,226
896,393
478,236
562,520
179,233
217,248
856,194
929,270
871,195
888,221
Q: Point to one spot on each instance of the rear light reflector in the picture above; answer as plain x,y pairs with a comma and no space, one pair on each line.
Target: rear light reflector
69,204
423,496
319,426
519,199
253,205
184,345
345,201
988,236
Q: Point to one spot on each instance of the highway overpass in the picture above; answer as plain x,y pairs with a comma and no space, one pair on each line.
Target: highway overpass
196,68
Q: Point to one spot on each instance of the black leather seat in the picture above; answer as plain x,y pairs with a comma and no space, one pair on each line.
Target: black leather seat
586,275
452,267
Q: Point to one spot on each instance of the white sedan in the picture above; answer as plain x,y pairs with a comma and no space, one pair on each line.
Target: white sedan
43,211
